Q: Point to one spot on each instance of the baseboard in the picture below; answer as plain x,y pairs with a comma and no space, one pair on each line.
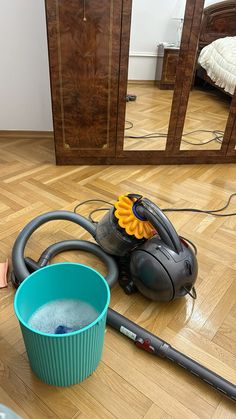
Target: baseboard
25,134
145,82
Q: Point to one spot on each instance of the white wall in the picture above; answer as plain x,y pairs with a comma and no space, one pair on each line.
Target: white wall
209,2
151,24
24,77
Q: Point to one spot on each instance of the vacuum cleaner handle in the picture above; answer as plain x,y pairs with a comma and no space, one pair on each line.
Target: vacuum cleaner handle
210,377
151,343
160,222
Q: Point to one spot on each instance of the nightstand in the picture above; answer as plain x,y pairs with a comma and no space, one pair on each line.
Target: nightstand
167,61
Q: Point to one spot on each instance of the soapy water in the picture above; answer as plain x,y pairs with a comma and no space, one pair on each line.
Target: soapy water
63,316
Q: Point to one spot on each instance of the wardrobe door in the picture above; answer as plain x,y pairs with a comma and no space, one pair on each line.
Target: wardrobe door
230,133
84,39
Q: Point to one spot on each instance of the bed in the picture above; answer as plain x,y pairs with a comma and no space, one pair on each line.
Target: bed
217,46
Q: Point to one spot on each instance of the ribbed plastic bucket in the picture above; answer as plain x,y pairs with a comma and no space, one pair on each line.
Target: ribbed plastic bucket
66,359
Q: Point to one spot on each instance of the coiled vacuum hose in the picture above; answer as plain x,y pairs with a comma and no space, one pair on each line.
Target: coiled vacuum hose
22,266
19,267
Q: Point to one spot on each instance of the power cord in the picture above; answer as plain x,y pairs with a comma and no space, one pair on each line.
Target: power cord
91,200
131,125
213,212
218,136
192,294
93,212
191,243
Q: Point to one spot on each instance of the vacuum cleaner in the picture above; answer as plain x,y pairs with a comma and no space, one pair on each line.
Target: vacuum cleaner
141,248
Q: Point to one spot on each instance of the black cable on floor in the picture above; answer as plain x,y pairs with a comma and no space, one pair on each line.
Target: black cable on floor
211,212
218,136
96,210
91,200
131,125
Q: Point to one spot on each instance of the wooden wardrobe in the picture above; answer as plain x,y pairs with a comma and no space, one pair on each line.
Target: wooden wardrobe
88,44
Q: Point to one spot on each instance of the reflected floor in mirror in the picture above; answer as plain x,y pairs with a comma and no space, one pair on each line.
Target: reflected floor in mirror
150,114
208,110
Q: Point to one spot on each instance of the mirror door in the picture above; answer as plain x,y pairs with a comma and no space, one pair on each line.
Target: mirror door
154,48
153,60
211,94
210,114
230,132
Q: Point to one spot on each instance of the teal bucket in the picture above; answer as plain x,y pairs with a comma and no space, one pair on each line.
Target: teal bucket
65,359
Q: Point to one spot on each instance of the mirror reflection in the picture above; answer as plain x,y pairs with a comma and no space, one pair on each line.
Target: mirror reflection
156,28
210,97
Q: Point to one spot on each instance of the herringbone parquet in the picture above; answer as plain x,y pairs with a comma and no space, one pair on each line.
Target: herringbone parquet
128,382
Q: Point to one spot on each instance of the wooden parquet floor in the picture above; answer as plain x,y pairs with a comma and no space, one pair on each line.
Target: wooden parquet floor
150,113
128,382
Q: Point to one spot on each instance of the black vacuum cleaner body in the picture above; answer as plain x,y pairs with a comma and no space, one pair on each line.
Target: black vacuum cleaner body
162,267
161,274
161,264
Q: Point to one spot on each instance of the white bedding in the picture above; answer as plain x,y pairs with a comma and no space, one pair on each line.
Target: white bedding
219,61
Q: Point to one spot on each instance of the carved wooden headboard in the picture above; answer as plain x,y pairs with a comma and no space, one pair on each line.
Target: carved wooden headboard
219,20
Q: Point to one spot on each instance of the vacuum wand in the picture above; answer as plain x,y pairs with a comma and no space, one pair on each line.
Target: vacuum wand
151,343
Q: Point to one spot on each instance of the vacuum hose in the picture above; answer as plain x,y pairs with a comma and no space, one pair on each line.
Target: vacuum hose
19,267
63,246
23,266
